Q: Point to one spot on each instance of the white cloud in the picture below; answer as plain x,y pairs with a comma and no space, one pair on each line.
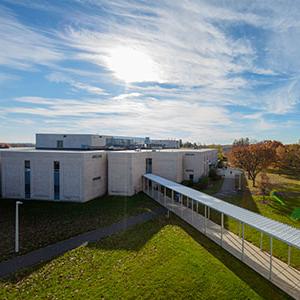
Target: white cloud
61,78
23,47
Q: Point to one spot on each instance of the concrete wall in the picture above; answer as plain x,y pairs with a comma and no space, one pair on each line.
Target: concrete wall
70,141
77,170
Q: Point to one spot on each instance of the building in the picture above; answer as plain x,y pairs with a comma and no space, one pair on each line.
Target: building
98,142
126,168
76,176
69,168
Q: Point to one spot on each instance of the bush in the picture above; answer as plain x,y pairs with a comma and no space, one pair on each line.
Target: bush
213,174
188,183
203,183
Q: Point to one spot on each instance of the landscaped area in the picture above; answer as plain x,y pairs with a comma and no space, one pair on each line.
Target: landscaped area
161,259
43,223
288,188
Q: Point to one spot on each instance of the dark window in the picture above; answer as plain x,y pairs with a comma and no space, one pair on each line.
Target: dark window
96,178
191,177
56,180
59,144
27,179
148,165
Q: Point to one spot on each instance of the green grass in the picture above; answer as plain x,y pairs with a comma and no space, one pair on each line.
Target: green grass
289,189
213,187
43,223
161,259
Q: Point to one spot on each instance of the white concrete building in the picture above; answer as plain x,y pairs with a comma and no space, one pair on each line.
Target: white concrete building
125,168
76,176
83,174
98,142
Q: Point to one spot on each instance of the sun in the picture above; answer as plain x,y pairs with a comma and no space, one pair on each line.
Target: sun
132,65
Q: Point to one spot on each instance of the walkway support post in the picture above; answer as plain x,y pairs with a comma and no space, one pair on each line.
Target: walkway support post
17,227
222,227
205,215
289,255
243,239
181,204
193,211
261,240
165,196
271,257
172,195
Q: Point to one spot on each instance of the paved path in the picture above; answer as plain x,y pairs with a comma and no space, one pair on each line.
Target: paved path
45,254
285,277
227,189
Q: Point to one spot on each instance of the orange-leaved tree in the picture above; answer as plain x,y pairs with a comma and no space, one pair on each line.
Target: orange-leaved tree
253,158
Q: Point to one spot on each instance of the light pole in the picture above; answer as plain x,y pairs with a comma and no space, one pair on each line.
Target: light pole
17,227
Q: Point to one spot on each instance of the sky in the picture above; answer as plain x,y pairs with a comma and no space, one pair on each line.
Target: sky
204,71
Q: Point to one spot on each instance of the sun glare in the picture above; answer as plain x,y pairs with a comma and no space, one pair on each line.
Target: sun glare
132,65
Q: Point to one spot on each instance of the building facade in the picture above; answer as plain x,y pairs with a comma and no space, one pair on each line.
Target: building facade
53,175
54,172
125,168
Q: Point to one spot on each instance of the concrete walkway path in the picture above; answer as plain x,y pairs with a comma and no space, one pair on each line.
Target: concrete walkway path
45,254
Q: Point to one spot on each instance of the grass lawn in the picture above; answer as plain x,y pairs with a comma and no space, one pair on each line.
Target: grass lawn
213,187
289,188
43,223
161,259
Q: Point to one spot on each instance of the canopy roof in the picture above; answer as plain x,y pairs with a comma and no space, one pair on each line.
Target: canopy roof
280,231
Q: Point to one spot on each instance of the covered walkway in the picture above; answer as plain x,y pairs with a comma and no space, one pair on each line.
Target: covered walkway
195,208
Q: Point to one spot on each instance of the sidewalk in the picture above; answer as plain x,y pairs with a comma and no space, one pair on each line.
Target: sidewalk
45,254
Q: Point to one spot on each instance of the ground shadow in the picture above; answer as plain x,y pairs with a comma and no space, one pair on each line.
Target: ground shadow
258,283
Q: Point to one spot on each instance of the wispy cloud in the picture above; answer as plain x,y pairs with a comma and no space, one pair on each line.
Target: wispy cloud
202,70
61,78
23,47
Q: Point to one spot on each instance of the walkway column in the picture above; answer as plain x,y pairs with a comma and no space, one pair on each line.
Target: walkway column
271,257
222,226
152,189
172,196
181,205
243,240
261,240
165,196
205,214
289,255
193,211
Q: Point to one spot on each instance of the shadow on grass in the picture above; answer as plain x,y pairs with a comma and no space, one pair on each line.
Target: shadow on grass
134,242
258,283
137,237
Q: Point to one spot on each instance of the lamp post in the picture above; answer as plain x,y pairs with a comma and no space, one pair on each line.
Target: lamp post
17,227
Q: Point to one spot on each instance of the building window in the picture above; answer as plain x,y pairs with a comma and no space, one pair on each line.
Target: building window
59,144
27,179
56,168
148,165
96,178
189,170
191,177
97,156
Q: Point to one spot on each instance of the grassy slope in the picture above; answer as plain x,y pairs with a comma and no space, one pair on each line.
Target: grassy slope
290,186
44,223
161,259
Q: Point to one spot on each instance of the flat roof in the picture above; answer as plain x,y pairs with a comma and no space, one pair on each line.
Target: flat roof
278,230
164,150
34,150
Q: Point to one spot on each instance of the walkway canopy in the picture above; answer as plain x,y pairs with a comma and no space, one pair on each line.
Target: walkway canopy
280,231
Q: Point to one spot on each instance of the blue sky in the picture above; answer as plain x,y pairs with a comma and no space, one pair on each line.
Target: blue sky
206,71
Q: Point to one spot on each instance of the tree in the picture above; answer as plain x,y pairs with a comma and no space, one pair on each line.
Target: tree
253,158
289,158
241,142
264,184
